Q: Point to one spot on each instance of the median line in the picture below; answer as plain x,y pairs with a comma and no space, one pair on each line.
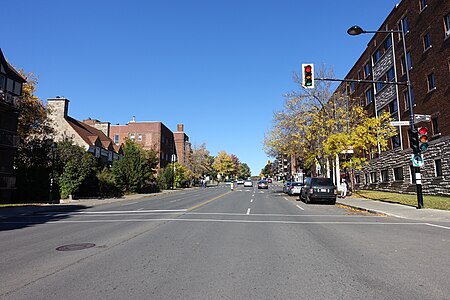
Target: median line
208,201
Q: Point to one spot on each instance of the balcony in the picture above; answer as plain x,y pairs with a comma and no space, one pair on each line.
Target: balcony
9,99
8,139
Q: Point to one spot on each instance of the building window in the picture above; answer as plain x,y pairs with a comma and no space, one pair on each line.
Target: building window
2,82
139,137
435,123
398,174
132,137
384,176
406,97
9,85
367,177
438,167
405,26
390,74
426,41
359,75
407,63
378,86
116,139
17,88
366,70
369,96
431,82
393,107
373,177
352,87
376,56
358,179
447,25
396,141
387,43
422,4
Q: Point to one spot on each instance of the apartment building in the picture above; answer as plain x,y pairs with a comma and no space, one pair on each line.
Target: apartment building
426,27
88,134
157,136
11,83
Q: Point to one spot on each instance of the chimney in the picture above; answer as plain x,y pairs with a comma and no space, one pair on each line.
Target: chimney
58,106
180,128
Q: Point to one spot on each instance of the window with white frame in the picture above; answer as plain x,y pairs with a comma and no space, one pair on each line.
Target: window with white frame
132,137
366,70
367,177
405,25
422,4
373,177
407,62
139,137
116,139
369,96
384,175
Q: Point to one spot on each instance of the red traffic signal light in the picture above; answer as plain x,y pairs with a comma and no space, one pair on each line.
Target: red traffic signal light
423,139
308,76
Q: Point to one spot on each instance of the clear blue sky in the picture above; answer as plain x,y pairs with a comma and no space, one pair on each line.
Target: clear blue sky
220,67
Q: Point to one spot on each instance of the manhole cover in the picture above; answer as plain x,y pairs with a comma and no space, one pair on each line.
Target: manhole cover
75,247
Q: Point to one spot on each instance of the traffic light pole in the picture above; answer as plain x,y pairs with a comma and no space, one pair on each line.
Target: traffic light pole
417,175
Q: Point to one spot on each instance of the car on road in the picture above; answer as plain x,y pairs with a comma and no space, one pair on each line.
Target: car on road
295,188
318,188
262,184
286,186
240,181
269,180
248,183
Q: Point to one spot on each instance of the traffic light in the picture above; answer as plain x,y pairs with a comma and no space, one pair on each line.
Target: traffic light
414,140
308,76
423,139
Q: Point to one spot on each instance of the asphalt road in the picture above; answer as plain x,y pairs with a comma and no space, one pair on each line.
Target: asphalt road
215,243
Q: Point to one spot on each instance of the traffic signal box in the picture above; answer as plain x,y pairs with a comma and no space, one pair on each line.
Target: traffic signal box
308,76
414,140
423,139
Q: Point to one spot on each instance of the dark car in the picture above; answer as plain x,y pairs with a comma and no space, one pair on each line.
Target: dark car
262,184
318,188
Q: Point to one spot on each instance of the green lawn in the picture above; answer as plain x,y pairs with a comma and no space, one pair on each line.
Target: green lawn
437,202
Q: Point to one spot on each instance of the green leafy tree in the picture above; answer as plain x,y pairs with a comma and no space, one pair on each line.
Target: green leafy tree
244,171
135,169
199,162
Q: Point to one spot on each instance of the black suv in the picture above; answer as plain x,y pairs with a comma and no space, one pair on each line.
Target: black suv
318,188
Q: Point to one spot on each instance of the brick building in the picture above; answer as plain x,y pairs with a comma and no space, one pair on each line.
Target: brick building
426,25
10,91
89,135
154,135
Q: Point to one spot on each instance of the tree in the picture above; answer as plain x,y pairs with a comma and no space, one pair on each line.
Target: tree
135,169
33,157
223,164
244,171
199,162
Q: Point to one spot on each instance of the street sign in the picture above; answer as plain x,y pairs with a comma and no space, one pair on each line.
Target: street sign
400,123
417,160
421,118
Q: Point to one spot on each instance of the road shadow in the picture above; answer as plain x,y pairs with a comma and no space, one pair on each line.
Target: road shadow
12,218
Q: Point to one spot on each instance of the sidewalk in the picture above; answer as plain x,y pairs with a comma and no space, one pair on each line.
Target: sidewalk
397,210
66,205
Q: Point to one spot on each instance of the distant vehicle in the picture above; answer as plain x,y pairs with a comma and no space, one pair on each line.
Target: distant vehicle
240,181
262,184
248,183
318,189
269,180
286,187
295,188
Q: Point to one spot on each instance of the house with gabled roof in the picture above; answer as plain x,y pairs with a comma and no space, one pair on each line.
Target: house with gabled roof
94,138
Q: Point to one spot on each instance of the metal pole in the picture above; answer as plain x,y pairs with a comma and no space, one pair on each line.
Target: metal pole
418,176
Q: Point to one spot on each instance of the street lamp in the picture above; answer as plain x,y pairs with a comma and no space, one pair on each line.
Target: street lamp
356,30
173,159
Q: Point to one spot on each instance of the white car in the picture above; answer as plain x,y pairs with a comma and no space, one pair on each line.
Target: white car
295,188
248,183
240,181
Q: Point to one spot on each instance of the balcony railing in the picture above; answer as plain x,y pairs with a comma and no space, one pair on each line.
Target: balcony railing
8,139
9,99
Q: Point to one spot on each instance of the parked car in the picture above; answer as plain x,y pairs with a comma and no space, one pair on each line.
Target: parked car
248,183
240,181
262,184
295,188
318,188
286,187
269,180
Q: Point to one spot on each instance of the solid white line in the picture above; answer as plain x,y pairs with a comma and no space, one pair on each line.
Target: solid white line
219,221
300,207
248,211
438,226
285,198
119,212
251,200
